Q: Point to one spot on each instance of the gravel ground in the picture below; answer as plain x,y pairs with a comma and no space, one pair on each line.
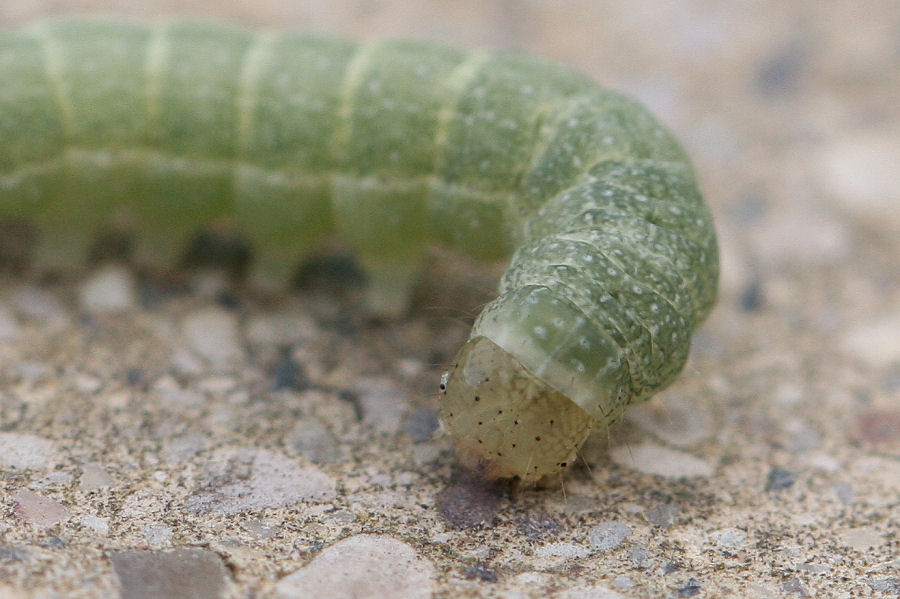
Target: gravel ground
183,437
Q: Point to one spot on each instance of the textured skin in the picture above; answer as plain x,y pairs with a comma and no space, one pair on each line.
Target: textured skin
394,146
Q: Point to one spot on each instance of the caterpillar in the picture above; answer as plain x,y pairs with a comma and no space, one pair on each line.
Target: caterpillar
393,146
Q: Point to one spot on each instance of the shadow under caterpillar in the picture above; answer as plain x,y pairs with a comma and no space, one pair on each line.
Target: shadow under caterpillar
394,146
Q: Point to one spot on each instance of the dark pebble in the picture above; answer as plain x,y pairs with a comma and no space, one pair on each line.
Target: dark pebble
780,479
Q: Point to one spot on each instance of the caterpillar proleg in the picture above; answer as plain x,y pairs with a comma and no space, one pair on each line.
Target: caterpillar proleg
394,146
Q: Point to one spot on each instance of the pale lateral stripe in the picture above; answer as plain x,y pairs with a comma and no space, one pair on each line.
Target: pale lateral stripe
52,56
353,78
157,58
108,157
247,100
248,88
457,83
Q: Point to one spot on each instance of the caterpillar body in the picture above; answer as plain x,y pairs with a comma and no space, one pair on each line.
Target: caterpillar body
393,145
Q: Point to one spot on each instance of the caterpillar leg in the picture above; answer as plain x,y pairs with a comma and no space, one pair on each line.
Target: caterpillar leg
391,282
61,245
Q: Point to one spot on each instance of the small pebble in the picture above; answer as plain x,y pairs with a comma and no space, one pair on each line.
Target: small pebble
794,587
36,509
383,403
875,342
24,451
662,515
95,523
157,535
566,551
480,572
608,536
38,305
862,538
890,585
252,480
213,334
640,556
108,290
53,480
859,171
780,479
691,589
179,574
537,526
729,538
314,441
94,477
363,566
290,374
651,458
677,421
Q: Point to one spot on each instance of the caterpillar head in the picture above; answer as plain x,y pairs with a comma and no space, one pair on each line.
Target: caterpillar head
506,421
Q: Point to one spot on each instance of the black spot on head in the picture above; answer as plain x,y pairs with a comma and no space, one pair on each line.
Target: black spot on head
538,438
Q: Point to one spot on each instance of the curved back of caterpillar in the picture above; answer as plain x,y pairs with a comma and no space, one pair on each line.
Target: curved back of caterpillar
393,145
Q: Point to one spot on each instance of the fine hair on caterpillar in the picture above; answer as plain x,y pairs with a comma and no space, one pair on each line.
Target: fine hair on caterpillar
393,146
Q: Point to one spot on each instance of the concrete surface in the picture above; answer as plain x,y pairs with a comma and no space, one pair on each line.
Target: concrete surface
191,440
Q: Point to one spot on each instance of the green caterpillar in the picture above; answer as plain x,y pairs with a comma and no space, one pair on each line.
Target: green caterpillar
393,145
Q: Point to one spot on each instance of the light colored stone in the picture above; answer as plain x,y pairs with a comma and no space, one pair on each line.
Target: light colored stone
95,523
729,538
675,420
608,535
363,566
39,305
862,538
212,333
651,458
95,477
157,535
383,403
36,509
875,342
252,480
24,451
859,171
179,574
108,290
563,550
